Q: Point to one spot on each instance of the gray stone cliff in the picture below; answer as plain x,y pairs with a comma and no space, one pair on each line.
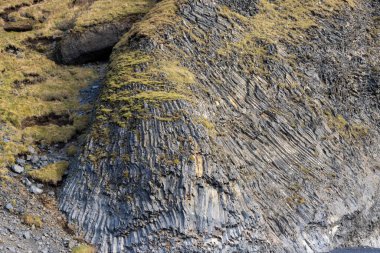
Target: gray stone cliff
236,126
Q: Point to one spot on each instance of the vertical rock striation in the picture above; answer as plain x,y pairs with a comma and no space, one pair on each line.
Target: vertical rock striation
221,130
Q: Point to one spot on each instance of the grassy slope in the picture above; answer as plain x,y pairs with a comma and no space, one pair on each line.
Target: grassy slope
31,85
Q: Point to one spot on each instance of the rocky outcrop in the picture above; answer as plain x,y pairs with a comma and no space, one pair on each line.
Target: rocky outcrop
221,131
94,43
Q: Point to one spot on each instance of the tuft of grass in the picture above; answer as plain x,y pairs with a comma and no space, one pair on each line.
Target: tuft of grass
71,150
9,150
176,73
51,133
285,19
32,220
346,130
159,80
206,124
4,4
51,174
84,248
163,14
4,175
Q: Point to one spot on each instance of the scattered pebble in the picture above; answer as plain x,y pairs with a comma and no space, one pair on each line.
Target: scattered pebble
26,235
9,207
20,161
34,189
17,169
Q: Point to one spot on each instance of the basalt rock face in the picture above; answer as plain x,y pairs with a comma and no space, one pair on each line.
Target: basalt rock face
221,130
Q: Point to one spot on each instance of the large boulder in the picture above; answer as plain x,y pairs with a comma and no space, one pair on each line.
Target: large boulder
93,43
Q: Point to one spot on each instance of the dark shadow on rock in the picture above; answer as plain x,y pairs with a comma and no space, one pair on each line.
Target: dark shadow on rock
92,44
19,26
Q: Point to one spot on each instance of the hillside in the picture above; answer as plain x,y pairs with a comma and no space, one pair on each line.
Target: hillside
191,126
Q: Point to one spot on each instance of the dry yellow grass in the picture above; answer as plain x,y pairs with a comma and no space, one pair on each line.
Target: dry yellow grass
4,4
71,150
4,175
163,13
31,85
346,130
84,248
51,174
32,220
104,11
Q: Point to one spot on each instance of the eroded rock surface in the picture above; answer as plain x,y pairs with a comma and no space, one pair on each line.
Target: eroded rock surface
225,131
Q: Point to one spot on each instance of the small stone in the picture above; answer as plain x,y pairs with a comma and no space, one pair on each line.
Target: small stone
71,244
20,161
12,249
31,150
44,158
17,169
26,235
28,157
35,159
20,55
9,207
34,189
27,182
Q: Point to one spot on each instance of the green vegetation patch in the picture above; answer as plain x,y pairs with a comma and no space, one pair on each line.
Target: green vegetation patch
345,129
136,79
52,133
71,150
206,124
30,90
162,15
286,19
51,174
32,220
83,248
